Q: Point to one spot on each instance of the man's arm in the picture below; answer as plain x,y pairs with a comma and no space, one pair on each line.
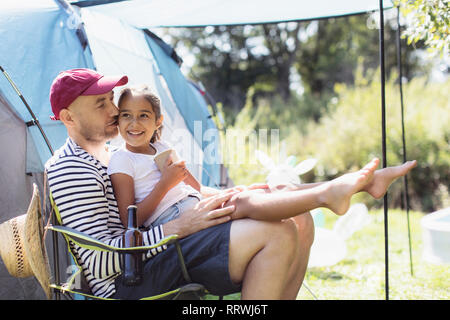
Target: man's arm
83,200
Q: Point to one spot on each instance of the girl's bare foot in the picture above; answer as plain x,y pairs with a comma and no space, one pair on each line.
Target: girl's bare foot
339,191
383,178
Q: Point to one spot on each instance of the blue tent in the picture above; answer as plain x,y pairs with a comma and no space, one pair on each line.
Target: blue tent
43,39
198,13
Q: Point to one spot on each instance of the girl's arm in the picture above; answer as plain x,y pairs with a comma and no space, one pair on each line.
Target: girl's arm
205,191
190,180
123,186
210,192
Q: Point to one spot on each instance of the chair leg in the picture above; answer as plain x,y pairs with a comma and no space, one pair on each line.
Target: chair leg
310,291
56,258
182,263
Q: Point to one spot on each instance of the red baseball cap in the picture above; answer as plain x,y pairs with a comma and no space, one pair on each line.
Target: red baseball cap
70,84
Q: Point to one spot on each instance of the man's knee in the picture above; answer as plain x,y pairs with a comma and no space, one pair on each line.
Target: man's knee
288,236
279,233
249,237
305,227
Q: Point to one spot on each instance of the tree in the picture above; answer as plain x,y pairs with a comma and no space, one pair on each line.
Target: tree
332,55
428,21
231,59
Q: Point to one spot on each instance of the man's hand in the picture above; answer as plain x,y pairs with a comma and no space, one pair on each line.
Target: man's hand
207,213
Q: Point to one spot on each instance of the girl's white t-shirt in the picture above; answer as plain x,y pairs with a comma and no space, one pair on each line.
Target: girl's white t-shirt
142,168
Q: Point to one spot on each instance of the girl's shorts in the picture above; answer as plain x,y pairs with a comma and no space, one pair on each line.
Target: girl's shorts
175,210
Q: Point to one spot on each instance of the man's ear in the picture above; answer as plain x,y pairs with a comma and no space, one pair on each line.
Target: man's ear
66,117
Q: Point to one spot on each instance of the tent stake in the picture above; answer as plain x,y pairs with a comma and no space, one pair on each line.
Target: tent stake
383,134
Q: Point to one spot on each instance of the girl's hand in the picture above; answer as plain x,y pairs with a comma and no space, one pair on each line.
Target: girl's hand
253,186
173,173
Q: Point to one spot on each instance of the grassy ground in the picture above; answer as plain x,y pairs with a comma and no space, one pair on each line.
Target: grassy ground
361,275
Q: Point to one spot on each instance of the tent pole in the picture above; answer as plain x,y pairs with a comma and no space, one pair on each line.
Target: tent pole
35,120
383,136
405,179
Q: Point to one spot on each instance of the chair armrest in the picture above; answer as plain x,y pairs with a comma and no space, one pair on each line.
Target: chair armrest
88,242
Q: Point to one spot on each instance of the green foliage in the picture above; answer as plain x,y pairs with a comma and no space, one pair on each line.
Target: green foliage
238,147
229,60
348,135
281,123
428,21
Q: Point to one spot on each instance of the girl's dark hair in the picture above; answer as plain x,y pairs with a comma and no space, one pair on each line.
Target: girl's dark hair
152,98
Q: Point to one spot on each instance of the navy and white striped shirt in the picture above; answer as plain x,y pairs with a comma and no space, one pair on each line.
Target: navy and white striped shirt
83,193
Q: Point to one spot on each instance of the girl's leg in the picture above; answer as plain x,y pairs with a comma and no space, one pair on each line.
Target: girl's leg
383,178
335,195
293,187
377,187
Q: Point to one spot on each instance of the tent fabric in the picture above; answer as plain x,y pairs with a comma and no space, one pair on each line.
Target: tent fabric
37,44
15,193
40,39
211,144
35,47
13,139
195,13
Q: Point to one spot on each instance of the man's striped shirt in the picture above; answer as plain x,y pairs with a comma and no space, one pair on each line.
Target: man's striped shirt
83,193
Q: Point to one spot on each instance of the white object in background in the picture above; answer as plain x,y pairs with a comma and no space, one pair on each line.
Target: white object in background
329,246
355,219
436,236
284,172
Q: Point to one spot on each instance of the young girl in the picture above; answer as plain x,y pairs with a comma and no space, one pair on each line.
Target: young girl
162,196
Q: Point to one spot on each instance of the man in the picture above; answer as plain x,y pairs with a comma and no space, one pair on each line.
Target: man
263,260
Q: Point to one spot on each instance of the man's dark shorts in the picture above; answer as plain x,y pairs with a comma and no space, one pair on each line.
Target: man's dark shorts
206,255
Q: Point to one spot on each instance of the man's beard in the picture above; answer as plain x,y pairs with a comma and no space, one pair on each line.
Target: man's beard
96,135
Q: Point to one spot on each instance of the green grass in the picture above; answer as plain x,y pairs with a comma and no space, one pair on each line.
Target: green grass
361,275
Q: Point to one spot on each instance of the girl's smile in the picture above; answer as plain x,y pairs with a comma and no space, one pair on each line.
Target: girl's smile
138,123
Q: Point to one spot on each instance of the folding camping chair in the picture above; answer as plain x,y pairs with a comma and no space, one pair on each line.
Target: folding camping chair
190,291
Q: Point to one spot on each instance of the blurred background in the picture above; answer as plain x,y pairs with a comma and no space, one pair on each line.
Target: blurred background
318,82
